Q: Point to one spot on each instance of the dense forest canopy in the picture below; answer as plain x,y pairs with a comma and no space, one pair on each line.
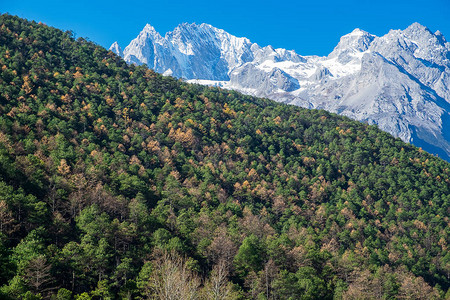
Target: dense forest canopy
119,183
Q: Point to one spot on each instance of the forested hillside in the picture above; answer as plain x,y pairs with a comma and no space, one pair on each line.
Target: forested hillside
119,183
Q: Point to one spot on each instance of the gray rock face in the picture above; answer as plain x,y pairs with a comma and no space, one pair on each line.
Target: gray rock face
320,74
263,83
400,81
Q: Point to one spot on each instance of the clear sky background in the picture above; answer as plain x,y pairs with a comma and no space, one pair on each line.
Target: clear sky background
308,27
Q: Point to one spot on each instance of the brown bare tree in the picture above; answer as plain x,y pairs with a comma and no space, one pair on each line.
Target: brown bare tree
172,280
218,287
6,219
37,275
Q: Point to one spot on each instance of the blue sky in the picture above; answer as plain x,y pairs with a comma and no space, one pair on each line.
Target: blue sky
308,27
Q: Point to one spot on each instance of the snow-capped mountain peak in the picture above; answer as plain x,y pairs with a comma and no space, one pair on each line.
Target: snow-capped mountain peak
417,29
116,49
149,29
149,33
356,41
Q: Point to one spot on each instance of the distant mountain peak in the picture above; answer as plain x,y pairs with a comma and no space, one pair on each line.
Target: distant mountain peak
440,37
418,31
116,48
358,32
150,32
149,28
356,41
417,26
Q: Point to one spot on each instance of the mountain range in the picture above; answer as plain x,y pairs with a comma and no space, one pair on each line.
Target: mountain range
399,81
119,183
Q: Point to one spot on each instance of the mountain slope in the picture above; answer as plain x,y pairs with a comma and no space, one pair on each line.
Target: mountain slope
399,81
112,175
